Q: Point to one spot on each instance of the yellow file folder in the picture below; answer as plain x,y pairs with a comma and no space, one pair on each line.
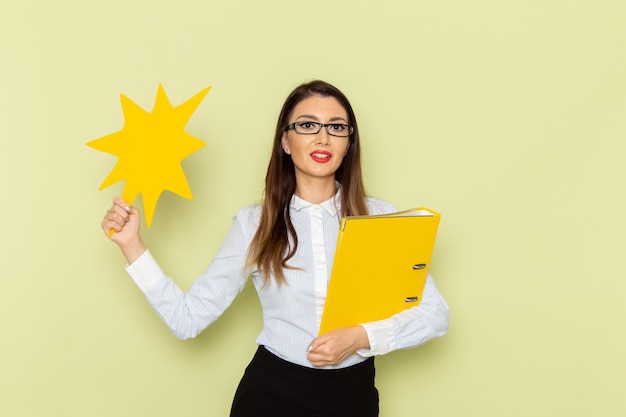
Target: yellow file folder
380,267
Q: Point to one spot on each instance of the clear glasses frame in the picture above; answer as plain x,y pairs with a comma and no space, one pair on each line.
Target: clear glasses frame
312,128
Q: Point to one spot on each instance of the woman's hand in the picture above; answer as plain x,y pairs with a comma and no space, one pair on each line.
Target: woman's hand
121,225
333,347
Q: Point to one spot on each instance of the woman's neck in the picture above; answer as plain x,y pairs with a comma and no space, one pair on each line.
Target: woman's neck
316,192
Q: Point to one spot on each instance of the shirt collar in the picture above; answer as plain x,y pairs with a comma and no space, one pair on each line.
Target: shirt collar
331,205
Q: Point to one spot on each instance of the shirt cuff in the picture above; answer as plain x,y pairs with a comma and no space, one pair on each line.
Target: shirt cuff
145,271
381,337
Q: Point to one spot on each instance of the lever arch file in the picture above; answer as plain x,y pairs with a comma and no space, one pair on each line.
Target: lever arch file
380,267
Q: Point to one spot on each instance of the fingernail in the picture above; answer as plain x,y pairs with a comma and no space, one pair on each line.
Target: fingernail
309,348
127,209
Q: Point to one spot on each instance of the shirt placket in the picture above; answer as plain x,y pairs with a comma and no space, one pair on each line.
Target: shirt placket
319,260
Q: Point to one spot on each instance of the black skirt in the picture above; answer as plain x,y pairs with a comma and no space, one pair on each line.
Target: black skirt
274,387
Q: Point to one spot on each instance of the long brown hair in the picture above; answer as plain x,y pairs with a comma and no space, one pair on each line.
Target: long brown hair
270,250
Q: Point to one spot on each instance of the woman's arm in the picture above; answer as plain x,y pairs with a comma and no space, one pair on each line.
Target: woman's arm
411,327
185,313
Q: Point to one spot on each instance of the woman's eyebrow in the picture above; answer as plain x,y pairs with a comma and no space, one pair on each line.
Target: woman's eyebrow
313,117
307,116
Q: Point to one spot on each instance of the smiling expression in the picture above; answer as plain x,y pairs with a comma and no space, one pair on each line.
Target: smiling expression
316,157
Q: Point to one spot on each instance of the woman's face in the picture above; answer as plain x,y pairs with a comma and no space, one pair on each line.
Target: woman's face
316,157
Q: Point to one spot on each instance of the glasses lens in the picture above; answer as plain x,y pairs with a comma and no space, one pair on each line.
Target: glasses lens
307,128
338,129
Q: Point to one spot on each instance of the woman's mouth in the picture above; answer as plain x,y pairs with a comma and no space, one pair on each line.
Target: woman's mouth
321,156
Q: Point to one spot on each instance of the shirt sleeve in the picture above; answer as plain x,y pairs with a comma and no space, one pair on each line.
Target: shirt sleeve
411,327
188,313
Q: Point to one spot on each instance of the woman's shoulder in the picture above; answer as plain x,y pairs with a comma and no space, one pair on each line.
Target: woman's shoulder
248,217
249,213
378,206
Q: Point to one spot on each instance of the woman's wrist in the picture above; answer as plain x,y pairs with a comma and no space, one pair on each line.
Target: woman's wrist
362,338
133,250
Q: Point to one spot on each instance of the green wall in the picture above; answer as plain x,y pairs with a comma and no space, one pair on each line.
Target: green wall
507,117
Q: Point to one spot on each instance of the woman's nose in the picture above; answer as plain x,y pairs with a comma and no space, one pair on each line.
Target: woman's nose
322,136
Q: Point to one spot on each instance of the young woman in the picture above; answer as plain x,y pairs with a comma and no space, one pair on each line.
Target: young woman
286,245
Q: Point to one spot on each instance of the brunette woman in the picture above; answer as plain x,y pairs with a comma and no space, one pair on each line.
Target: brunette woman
286,246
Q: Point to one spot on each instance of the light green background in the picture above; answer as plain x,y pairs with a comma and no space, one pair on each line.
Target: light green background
507,117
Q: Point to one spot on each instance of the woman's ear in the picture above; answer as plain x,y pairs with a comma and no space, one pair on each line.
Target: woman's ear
285,144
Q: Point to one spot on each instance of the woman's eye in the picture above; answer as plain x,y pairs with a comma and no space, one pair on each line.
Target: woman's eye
338,127
307,125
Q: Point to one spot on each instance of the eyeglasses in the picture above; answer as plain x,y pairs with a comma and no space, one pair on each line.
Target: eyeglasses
312,128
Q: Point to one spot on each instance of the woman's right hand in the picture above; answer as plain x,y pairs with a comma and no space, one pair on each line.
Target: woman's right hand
121,225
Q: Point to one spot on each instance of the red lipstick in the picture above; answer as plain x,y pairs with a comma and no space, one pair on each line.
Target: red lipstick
321,156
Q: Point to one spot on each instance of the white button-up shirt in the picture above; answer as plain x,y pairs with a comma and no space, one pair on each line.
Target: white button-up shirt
292,312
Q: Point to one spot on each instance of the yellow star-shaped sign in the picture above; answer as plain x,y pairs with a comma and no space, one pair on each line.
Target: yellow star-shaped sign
150,148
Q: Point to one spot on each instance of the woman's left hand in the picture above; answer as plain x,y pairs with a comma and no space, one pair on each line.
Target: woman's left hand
333,347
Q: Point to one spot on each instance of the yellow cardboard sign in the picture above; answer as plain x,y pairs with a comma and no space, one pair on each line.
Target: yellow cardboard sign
150,148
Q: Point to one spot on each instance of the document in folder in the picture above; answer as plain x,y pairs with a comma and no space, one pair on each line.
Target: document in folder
380,267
